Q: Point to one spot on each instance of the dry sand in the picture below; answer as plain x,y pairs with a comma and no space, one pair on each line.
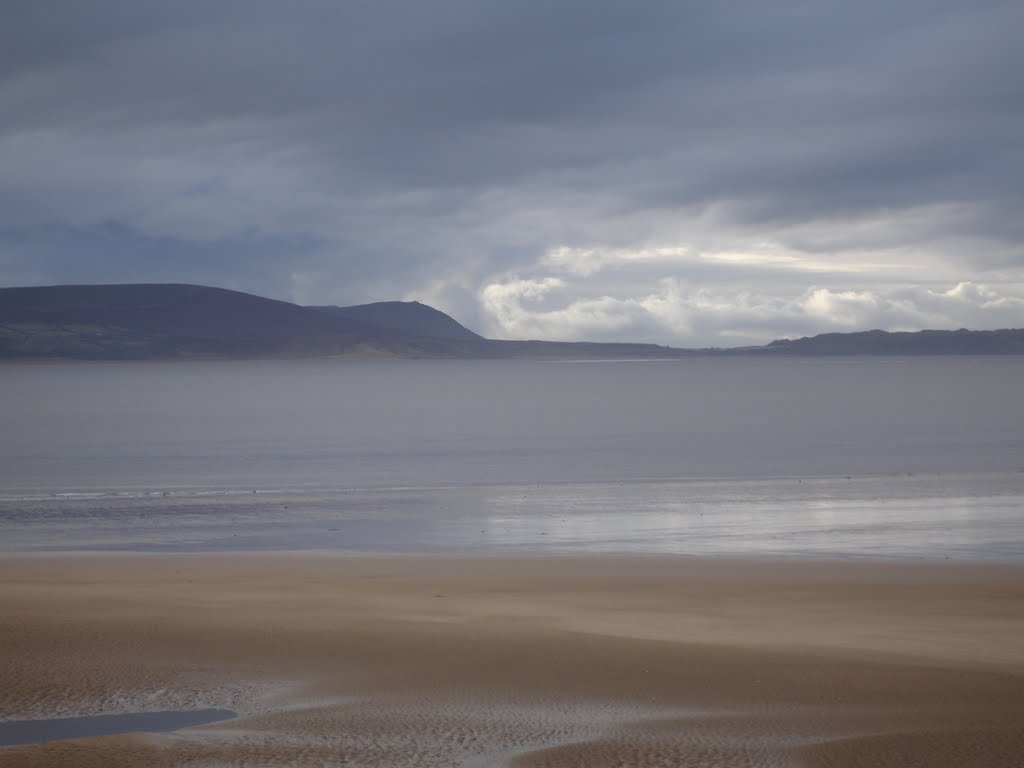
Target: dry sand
589,661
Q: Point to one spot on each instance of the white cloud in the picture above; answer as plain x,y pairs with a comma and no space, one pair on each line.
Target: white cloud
703,276
590,260
505,302
673,314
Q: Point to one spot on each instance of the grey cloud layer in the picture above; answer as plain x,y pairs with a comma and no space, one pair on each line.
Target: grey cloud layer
337,152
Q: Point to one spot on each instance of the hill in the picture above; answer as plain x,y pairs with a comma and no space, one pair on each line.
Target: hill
177,321
407,317
959,342
168,321
180,322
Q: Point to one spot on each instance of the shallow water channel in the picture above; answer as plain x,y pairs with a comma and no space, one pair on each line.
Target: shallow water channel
15,732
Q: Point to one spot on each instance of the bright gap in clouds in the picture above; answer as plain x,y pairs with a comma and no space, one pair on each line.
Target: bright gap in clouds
686,295
715,280
548,308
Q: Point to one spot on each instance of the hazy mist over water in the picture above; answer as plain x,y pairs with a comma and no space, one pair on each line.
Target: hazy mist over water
463,441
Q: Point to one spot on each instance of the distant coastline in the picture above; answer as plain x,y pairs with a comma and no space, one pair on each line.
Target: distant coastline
191,322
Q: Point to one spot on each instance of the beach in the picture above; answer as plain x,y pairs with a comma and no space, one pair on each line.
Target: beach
751,563
595,660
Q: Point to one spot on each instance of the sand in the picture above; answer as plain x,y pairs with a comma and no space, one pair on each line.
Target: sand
546,661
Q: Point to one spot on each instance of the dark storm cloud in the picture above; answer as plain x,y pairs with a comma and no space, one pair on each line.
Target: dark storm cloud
330,151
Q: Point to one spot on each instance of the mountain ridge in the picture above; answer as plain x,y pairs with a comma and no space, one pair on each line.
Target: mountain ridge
176,321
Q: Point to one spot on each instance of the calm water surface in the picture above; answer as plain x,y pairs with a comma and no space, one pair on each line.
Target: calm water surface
903,457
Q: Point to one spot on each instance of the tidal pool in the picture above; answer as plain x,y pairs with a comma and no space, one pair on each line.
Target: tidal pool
14,732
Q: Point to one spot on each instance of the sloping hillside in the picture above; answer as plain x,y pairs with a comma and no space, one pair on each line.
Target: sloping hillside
407,317
167,320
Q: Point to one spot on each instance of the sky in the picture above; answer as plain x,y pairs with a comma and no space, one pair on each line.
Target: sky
684,173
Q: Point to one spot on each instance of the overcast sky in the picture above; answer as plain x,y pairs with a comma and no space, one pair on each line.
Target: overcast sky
688,173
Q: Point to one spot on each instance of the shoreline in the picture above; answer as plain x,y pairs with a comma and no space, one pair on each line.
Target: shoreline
547,660
963,517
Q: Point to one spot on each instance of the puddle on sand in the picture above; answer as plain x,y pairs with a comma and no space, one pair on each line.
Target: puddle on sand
14,732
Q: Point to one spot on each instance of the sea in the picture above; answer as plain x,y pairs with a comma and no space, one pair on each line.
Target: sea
850,457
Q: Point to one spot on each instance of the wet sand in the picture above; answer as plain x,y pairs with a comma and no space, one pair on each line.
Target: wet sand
558,661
